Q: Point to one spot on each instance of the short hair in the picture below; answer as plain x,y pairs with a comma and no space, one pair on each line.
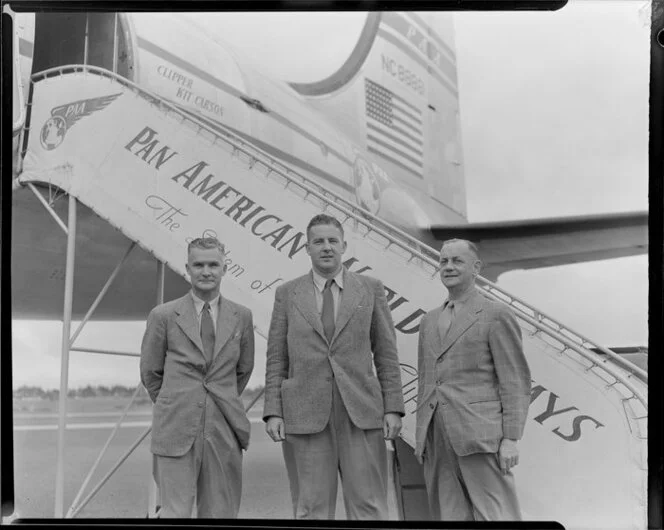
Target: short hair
206,243
472,246
324,219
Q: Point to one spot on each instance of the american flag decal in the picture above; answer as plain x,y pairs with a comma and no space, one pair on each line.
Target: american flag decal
394,128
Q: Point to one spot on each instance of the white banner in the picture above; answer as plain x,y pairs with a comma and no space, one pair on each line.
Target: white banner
162,182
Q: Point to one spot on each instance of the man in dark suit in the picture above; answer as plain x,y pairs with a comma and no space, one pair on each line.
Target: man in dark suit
196,358
473,396
333,385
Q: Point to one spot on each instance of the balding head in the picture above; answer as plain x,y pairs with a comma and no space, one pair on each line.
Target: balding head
472,247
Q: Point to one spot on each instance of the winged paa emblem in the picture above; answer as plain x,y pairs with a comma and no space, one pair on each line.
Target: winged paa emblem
63,117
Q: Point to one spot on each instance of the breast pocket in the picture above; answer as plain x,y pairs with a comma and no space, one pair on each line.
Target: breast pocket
232,347
476,339
363,312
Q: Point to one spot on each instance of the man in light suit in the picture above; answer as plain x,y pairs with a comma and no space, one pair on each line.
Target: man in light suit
196,358
332,383
473,396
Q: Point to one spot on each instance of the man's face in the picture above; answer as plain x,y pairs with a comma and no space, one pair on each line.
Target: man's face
325,246
458,266
206,267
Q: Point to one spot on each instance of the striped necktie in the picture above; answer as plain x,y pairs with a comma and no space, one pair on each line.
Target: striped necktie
327,315
207,332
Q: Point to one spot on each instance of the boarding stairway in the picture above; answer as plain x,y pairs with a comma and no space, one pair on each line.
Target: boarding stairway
583,456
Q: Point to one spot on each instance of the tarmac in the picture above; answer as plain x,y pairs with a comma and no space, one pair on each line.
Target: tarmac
265,492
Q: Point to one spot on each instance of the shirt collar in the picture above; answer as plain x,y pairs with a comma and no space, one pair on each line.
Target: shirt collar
461,301
198,303
319,281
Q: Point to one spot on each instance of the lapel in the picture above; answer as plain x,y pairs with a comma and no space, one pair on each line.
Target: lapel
226,323
351,296
188,322
466,318
432,334
304,300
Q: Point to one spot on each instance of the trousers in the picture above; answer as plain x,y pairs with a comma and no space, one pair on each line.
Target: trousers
465,488
315,461
208,476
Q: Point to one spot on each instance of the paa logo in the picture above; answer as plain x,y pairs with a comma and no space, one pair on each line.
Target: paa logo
63,117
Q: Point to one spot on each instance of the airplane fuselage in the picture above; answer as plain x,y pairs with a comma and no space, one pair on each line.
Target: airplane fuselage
393,173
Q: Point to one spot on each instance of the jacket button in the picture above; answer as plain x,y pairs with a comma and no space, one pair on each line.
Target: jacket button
431,405
439,382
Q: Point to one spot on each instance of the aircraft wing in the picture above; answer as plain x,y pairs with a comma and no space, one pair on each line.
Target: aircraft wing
537,243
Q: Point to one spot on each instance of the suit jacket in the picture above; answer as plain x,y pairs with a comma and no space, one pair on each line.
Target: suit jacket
176,375
478,375
302,366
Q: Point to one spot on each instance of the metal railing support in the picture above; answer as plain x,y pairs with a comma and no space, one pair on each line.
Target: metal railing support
161,282
64,361
87,39
101,294
260,332
73,509
153,494
153,489
108,352
253,401
48,207
257,396
115,43
110,473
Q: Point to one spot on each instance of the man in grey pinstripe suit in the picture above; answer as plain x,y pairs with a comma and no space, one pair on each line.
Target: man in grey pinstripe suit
197,356
473,396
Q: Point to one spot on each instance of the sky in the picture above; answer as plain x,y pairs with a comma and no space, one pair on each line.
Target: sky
554,114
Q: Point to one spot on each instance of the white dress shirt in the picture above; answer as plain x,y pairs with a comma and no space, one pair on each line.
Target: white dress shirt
460,302
337,287
214,309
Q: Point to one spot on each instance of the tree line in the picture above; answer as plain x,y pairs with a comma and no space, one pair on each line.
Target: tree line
26,391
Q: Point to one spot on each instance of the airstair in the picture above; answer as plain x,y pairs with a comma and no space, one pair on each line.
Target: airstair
162,176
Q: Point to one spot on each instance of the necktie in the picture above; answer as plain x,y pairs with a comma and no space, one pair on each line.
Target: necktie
327,315
446,318
207,332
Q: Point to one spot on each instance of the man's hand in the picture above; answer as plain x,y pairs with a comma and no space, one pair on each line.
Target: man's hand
275,428
508,455
391,425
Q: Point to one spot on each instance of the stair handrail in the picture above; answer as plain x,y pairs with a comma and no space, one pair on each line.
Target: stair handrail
540,316
431,255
